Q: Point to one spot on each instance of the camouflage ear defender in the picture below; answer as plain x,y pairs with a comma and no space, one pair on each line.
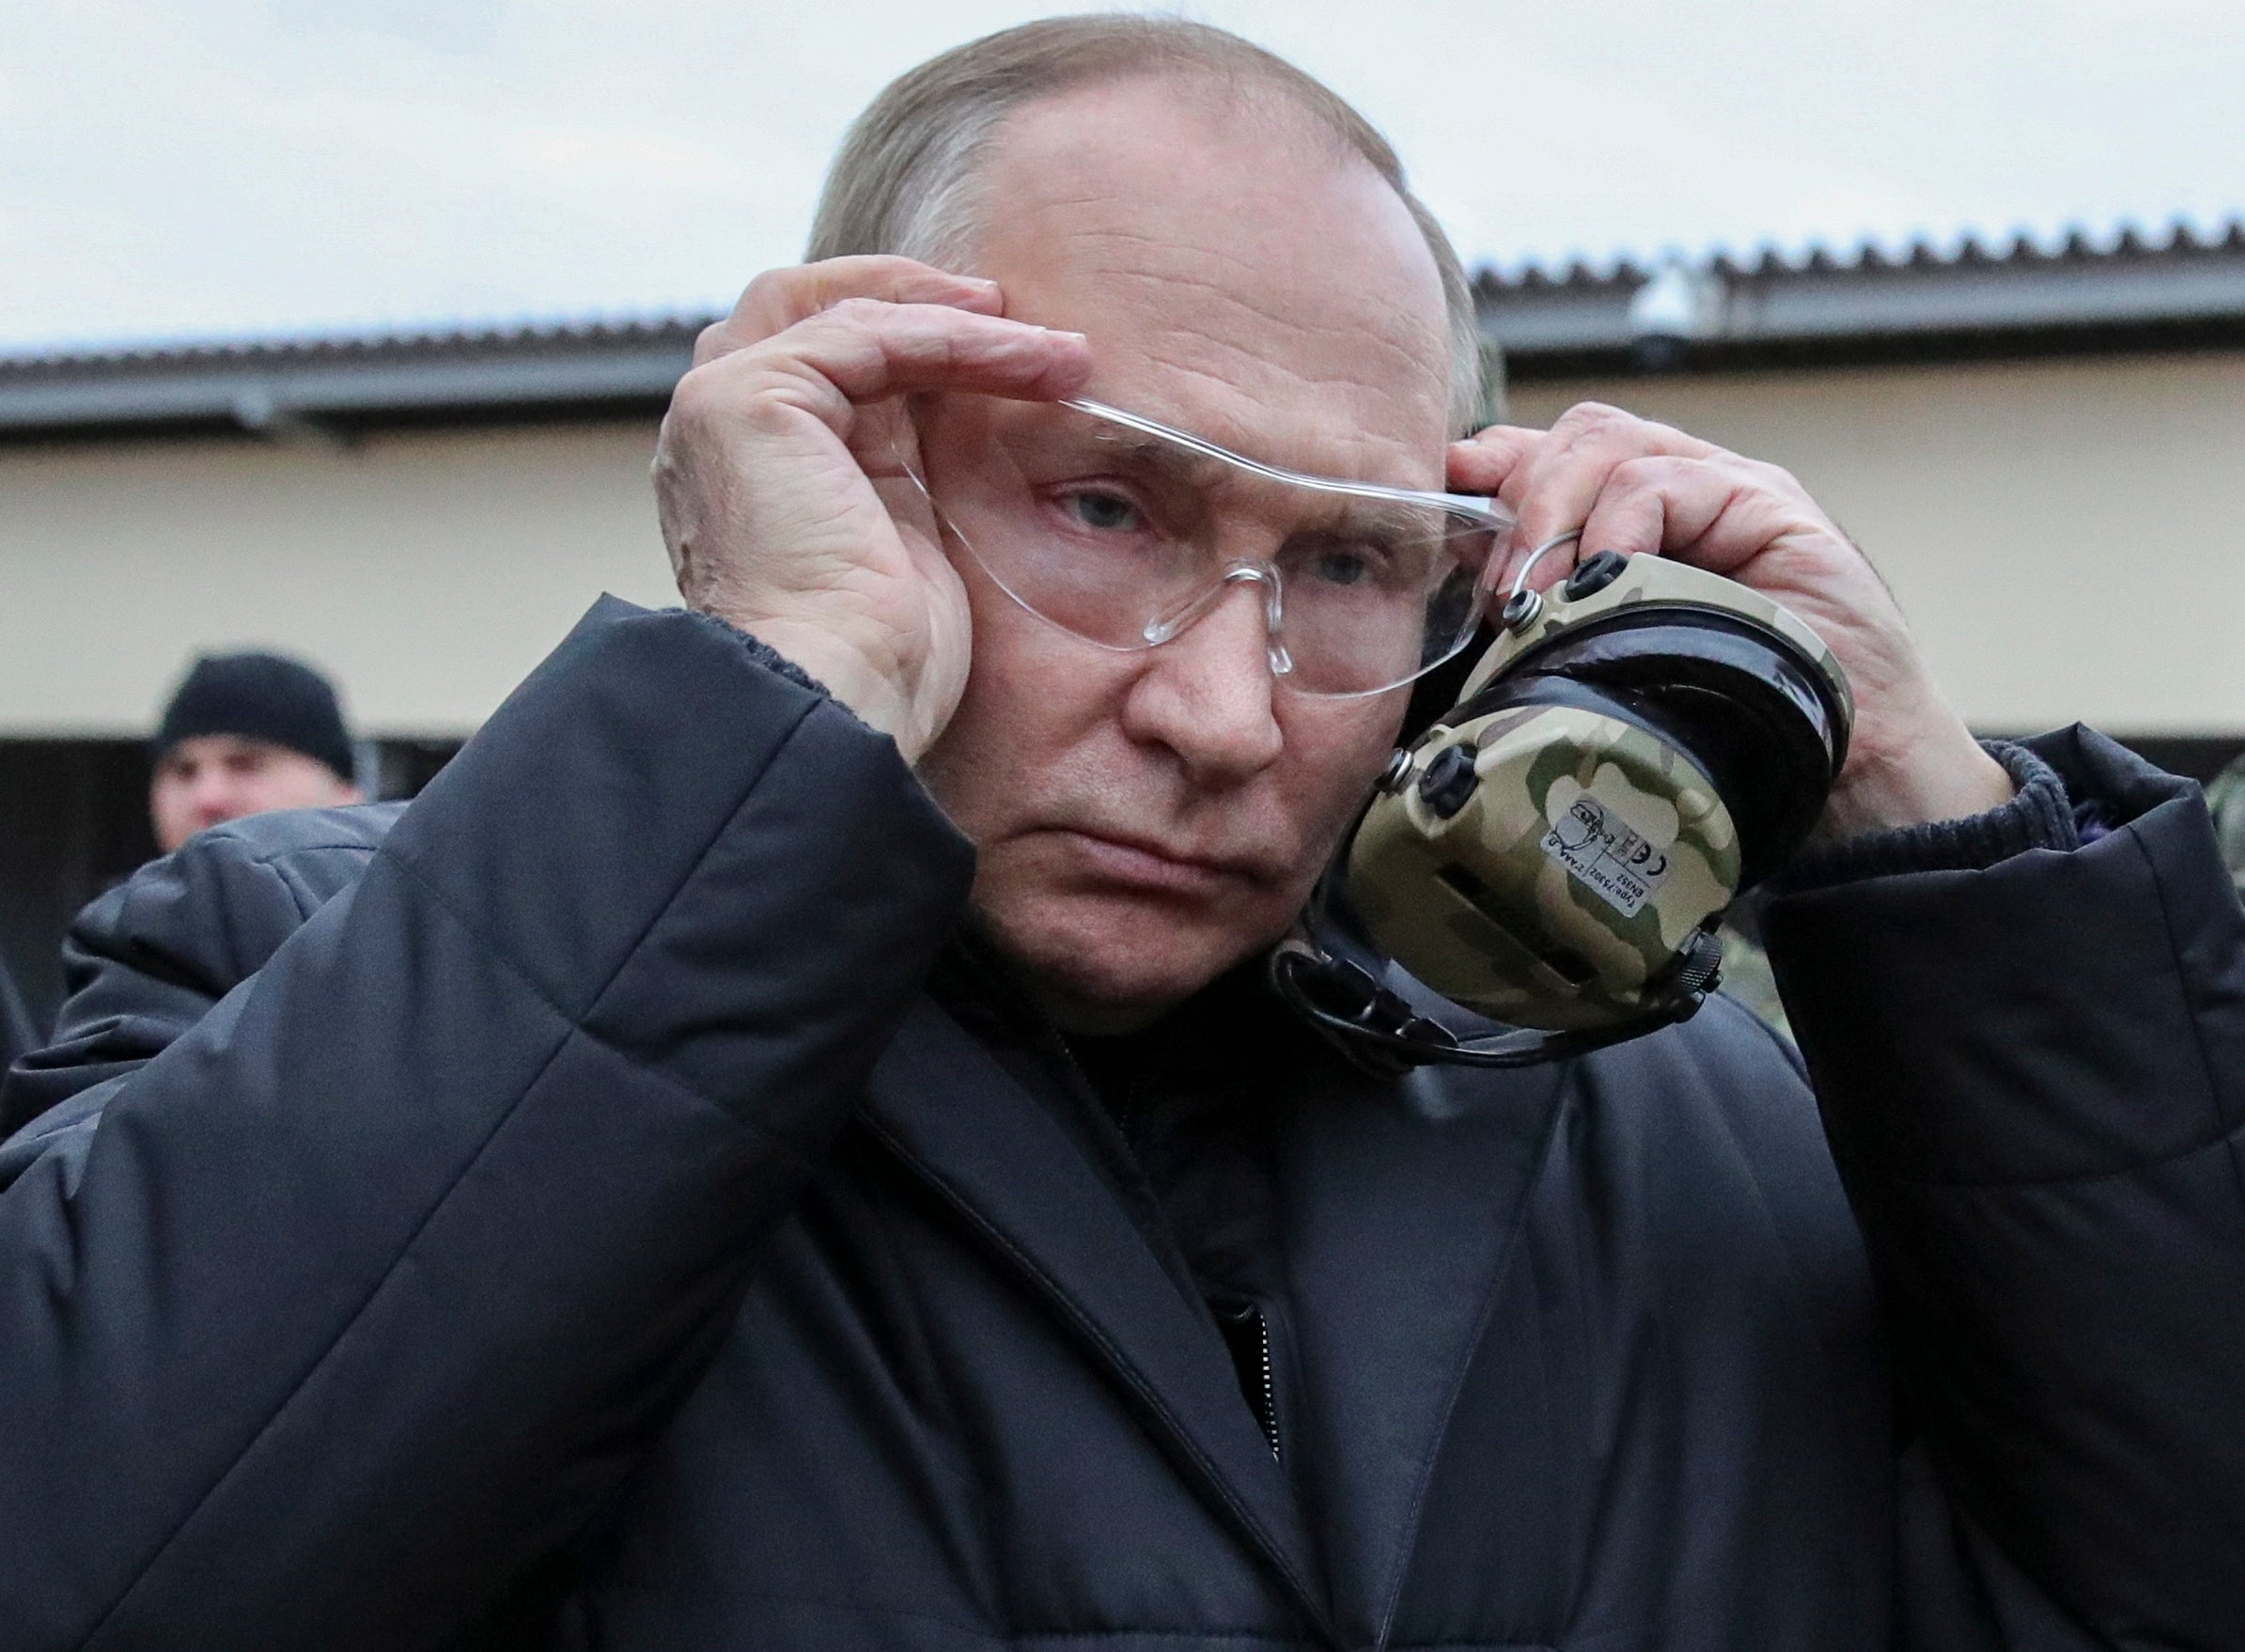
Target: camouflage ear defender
1638,746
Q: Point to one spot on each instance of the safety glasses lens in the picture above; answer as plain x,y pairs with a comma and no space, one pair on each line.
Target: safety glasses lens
1127,533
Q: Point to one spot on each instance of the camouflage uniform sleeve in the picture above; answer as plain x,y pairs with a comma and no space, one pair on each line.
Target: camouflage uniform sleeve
2226,801
1747,977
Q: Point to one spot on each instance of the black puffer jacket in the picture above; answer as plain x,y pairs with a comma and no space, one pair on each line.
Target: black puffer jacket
602,1224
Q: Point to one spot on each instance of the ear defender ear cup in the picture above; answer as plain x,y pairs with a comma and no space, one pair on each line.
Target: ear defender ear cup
1557,848
1557,892
1736,699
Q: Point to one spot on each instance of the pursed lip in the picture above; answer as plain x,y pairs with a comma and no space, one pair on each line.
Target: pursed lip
1145,863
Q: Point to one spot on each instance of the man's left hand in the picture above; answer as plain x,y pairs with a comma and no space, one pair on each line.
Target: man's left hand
1636,486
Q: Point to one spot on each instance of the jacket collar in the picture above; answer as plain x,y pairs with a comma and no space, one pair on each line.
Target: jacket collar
959,1120
1402,1315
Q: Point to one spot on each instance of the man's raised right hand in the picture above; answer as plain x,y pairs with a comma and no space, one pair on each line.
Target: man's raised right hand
780,473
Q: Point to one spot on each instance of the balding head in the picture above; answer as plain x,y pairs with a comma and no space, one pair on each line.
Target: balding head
915,173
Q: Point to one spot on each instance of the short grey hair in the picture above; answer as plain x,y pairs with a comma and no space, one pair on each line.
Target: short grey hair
907,178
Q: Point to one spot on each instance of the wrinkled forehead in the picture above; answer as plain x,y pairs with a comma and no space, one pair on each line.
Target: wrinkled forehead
1238,276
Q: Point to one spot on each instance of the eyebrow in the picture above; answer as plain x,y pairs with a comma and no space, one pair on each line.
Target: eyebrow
1390,519
1166,459
1165,463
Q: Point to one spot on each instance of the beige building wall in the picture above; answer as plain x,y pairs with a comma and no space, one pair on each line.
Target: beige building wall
2067,538
428,571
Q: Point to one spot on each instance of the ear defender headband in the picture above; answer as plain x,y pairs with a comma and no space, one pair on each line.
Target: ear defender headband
1637,747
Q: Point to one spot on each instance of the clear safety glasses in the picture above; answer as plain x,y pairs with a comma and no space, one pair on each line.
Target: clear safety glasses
1126,532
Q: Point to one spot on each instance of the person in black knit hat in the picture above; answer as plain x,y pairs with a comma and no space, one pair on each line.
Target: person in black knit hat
246,733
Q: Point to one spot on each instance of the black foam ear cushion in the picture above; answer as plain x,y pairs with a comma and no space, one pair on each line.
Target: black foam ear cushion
1736,699
1433,694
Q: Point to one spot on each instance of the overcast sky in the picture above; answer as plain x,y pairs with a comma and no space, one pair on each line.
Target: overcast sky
258,167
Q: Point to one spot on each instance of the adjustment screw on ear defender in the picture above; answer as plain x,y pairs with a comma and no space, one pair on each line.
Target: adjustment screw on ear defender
1594,574
1521,611
1396,772
1449,781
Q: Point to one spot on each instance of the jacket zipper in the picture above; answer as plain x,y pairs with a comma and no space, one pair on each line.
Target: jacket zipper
1258,1382
1258,1378
1267,1413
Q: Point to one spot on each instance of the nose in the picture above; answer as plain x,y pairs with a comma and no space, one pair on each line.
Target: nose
1208,695
214,796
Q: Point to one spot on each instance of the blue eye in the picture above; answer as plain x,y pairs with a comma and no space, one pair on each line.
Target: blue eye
1343,567
1107,513
1346,560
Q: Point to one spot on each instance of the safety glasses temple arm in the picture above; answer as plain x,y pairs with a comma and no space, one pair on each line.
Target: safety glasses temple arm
1473,505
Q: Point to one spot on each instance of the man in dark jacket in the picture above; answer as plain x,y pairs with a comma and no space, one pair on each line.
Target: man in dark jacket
783,1143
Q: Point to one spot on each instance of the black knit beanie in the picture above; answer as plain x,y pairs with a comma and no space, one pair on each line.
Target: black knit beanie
259,696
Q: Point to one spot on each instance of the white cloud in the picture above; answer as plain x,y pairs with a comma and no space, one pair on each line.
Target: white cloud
175,166
585,157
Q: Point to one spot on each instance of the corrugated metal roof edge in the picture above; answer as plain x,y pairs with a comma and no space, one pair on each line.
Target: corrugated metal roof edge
2128,293
1772,309
344,349
2076,245
1625,273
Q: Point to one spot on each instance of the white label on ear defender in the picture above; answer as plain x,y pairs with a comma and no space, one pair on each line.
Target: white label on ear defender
1604,851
